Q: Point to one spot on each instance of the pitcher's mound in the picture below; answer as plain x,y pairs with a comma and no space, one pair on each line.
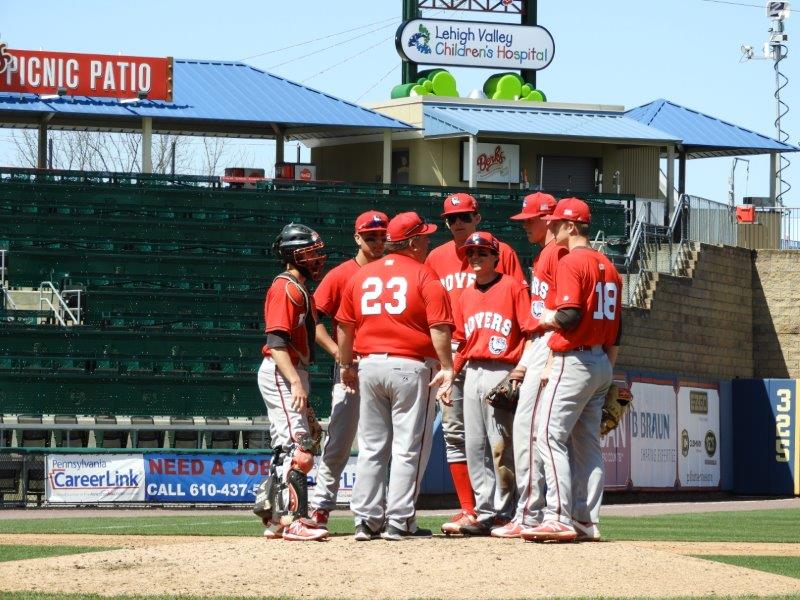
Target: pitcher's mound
342,568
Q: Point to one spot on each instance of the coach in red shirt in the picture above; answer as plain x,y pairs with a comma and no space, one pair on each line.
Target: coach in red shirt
396,316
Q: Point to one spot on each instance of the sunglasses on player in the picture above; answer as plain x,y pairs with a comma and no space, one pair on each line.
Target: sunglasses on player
477,252
463,217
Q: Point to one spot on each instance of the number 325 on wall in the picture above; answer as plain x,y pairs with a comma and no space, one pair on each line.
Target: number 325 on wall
783,424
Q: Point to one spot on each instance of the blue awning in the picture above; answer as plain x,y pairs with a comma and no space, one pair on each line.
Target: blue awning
209,96
539,122
702,135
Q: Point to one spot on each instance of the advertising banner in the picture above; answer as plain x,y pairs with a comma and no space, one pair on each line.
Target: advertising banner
475,44
494,163
220,478
80,478
654,427
95,75
203,477
698,424
617,454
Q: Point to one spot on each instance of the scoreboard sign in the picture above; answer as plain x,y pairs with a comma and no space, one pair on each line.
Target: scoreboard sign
94,75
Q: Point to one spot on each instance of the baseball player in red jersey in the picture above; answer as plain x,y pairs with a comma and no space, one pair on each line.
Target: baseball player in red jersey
584,345
492,325
396,316
290,320
527,462
370,236
462,219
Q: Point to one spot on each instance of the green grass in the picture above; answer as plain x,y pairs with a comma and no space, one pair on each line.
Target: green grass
745,526
779,565
16,552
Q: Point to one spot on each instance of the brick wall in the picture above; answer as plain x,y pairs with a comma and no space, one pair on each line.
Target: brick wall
700,326
776,313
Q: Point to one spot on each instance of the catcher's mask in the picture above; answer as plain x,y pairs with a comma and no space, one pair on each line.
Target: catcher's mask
303,247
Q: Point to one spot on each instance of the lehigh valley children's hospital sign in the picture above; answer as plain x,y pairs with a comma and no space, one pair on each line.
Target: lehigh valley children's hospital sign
95,75
474,44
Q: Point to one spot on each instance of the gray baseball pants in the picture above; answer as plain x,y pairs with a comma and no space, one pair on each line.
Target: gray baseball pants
285,423
527,461
490,454
395,426
342,429
569,435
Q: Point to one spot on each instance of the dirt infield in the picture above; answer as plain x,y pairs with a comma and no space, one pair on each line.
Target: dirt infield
342,568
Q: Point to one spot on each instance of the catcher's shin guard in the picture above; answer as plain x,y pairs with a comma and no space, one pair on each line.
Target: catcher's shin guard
266,495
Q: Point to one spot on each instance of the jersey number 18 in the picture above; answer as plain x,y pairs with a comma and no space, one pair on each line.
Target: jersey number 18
373,288
607,294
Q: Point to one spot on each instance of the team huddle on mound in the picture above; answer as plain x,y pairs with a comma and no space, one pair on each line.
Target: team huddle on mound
520,373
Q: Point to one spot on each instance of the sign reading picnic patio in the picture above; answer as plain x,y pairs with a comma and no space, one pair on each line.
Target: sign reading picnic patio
475,44
94,75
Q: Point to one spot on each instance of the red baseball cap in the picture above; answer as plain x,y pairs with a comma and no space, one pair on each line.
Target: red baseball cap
372,220
459,203
570,209
407,225
535,205
479,239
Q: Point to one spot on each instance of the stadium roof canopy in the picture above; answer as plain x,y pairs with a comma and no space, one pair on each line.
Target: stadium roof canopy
541,122
228,99
704,136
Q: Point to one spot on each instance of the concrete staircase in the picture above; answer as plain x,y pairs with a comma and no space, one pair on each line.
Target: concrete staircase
678,261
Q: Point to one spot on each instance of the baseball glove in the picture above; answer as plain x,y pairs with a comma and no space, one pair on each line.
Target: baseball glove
618,401
314,429
505,394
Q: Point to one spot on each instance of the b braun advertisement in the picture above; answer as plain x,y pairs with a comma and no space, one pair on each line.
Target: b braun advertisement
654,429
494,163
475,44
78,478
698,441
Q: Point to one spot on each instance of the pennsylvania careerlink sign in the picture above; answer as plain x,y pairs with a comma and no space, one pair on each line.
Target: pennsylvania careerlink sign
474,44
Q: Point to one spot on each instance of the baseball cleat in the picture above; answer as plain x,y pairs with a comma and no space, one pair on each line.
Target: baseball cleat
454,525
320,517
510,530
587,532
481,528
304,530
364,533
395,534
273,532
549,531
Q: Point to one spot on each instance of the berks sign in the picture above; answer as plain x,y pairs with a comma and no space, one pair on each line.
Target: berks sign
473,44
95,75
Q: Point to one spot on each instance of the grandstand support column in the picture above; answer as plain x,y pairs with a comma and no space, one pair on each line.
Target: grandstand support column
147,144
670,184
387,157
774,161
41,154
681,172
473,155
280,147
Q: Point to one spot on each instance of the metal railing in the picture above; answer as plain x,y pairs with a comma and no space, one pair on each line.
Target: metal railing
48,293
710,222
654,249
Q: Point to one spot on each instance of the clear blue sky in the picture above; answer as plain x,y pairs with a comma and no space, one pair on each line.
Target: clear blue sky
625,52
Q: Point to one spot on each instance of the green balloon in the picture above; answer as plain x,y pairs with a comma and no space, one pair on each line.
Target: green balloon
444,84
402,91
526,89
508,88
535,96
419,90
428,85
